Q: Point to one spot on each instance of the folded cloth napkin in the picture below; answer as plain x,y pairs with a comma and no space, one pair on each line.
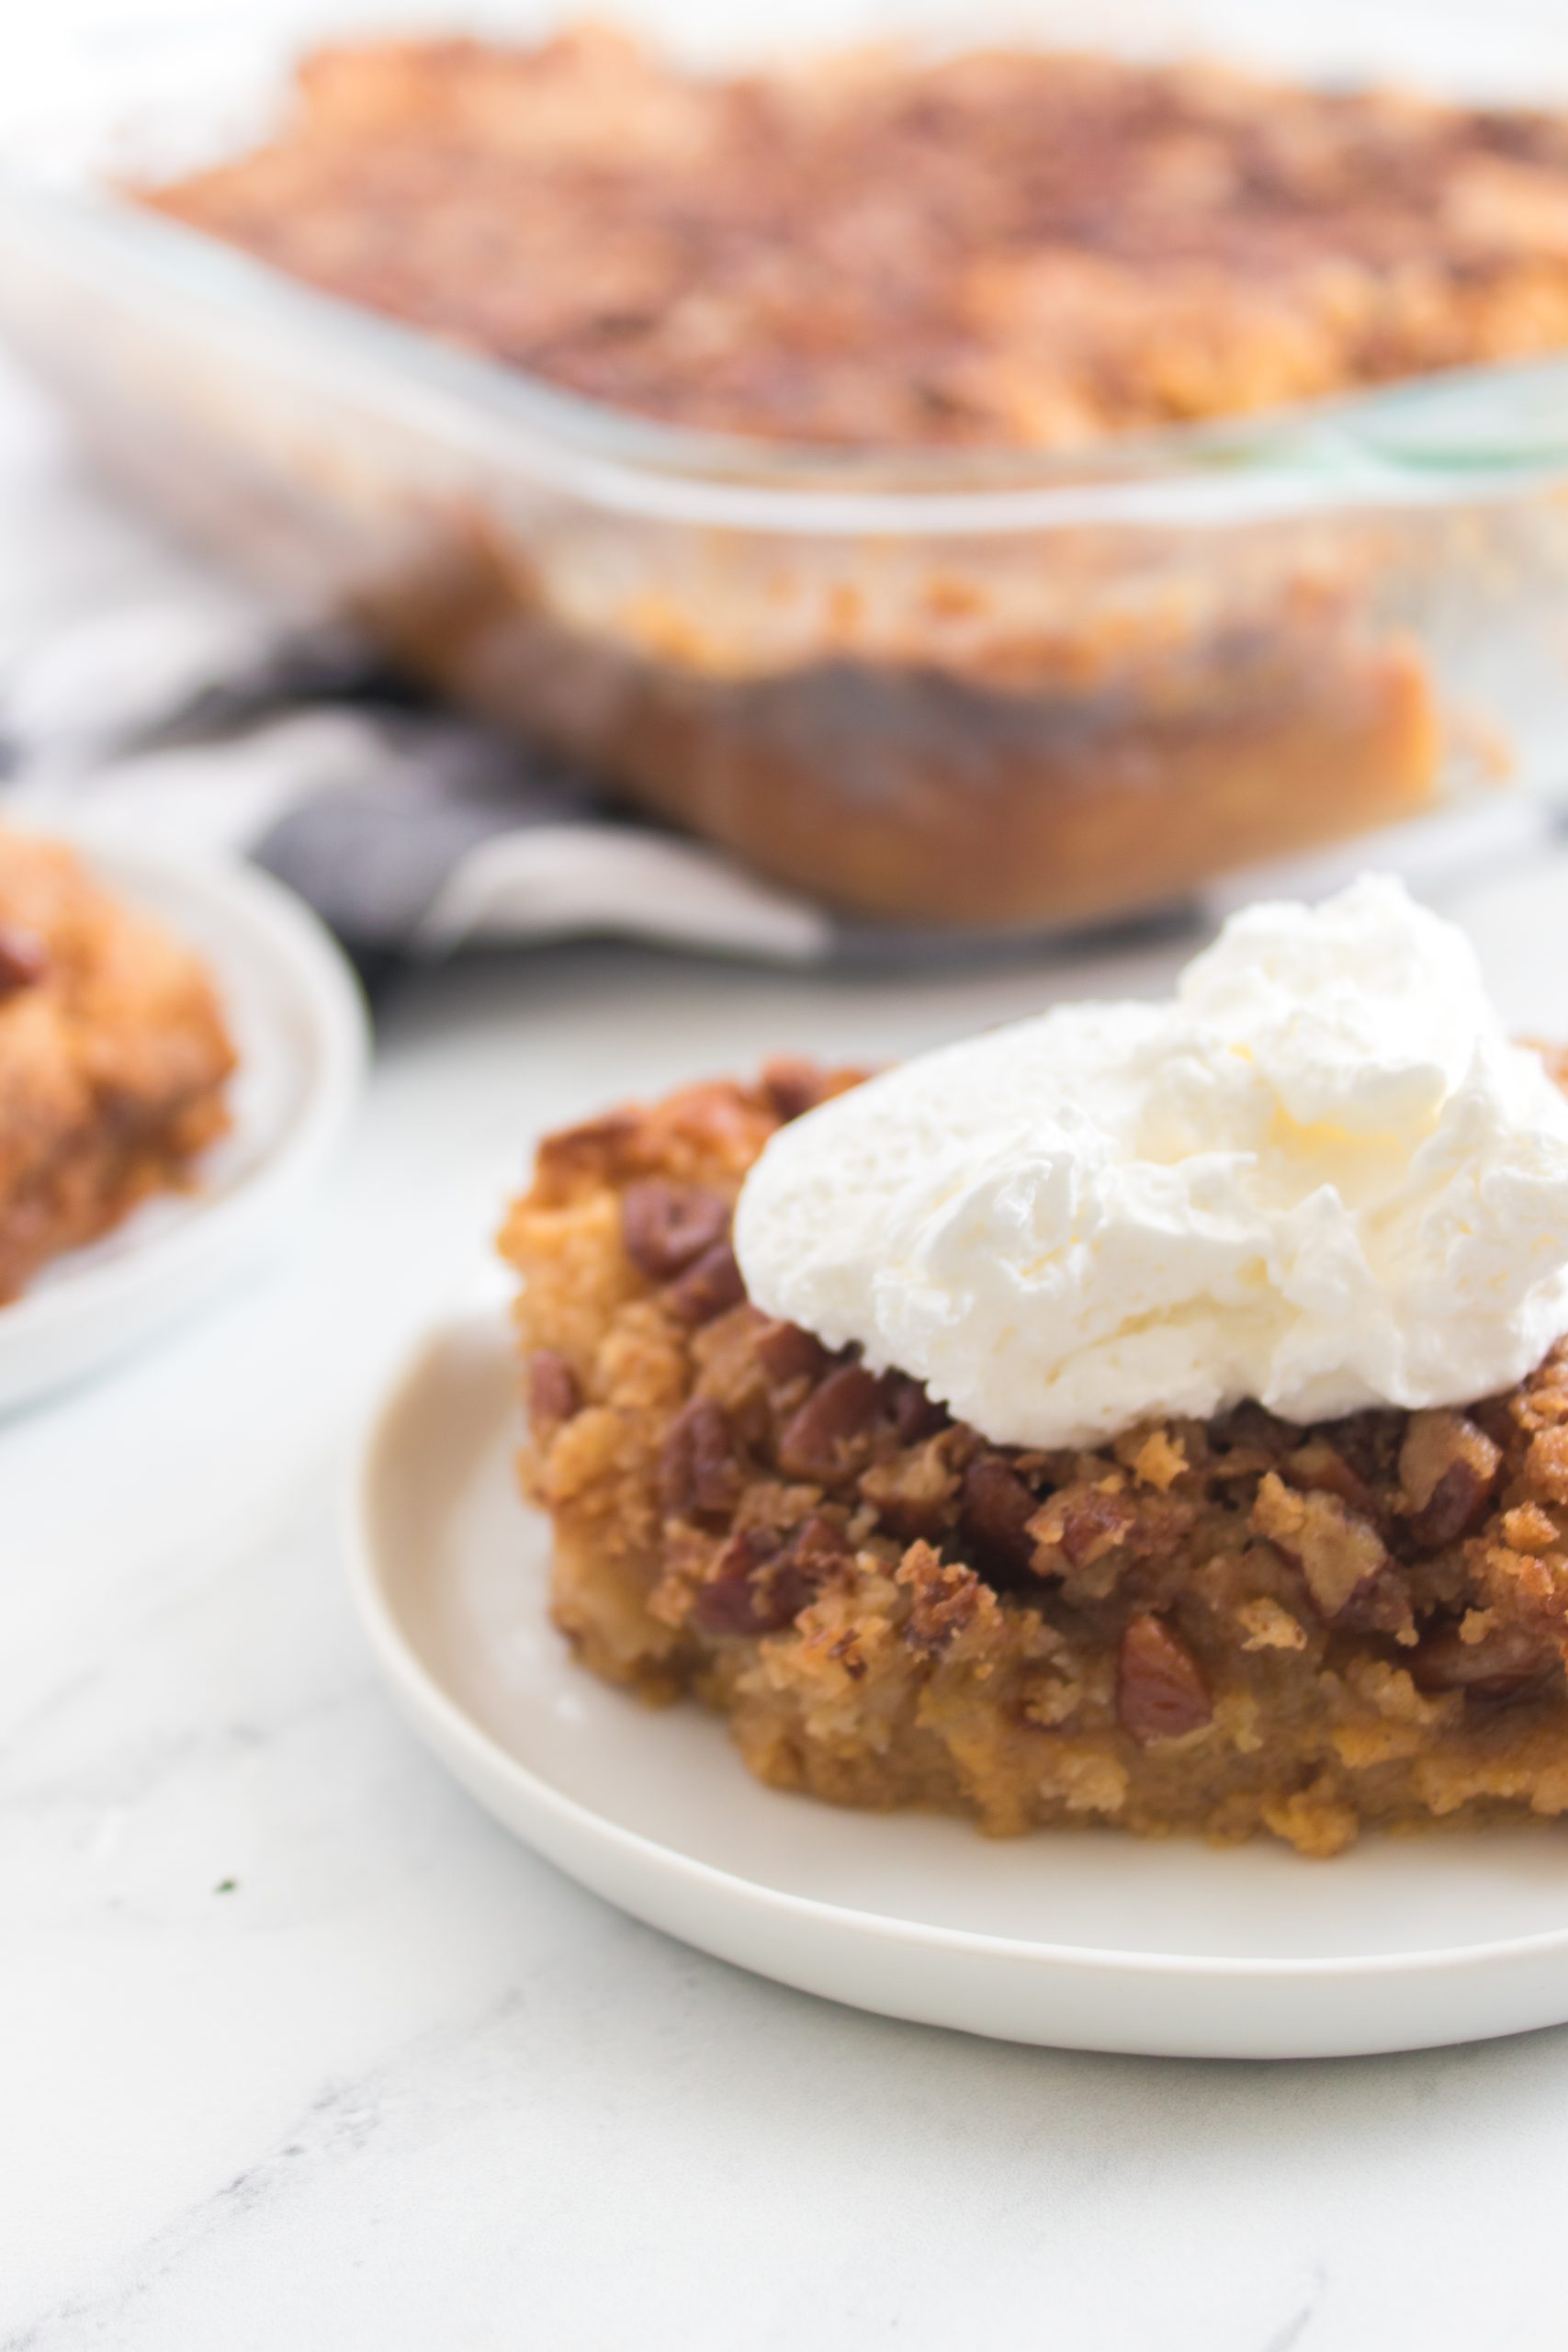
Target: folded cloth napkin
409,827
145,694
147,697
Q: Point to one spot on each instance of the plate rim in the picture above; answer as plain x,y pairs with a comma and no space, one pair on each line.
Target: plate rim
447,1725
324,982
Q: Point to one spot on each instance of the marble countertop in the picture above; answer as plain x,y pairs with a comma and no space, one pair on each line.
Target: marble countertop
298,2048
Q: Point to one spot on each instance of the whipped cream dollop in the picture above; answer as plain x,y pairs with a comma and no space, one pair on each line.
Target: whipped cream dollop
1321,1176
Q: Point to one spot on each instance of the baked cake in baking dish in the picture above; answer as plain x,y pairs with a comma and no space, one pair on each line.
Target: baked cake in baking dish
114,1059
886,249
928,258
1148,1416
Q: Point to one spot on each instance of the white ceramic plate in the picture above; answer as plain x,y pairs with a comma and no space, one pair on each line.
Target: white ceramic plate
1084,1939
295,1016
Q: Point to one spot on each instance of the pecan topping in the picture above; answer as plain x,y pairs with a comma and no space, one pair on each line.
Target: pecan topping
1506,1660
945,1600
913,1491
1160,1690
555,1392
1084,1524
795,1086
819,1546
914,1415
707,1288
24,959
786,1352
997,1510
752,1590
666,1226
762,1583
1335,1549
732,1601
1447,1468
697,1470
846,1651
1323,1469
816,1441
726,1604
1244,1437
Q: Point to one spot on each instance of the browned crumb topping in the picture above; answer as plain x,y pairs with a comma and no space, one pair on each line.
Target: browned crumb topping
113,1059
1226,1626
995,248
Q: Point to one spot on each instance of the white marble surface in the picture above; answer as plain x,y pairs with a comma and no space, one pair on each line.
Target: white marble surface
403,2085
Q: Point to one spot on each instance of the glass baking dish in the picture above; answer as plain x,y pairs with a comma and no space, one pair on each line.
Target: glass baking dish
960,689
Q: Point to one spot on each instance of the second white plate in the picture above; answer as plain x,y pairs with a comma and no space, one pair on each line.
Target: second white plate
297,1020
1086,1940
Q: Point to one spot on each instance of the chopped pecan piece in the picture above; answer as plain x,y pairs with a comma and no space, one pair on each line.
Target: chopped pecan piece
945,1600
815,1440
1246,1439
707,1288
757,1587
24,959
1160,1690
786,1352
997,1507
764,1580
1506,1660
1323,1469
914,1415
819,1546
913,1490
793,1087
1082,1525
1335,1549
1447,1468
665,1226
729,1604
697,1469
555,1394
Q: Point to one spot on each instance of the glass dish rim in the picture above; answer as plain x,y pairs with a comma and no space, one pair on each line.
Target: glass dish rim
1358,449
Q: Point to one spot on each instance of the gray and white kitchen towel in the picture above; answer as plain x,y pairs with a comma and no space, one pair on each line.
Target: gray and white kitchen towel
143,695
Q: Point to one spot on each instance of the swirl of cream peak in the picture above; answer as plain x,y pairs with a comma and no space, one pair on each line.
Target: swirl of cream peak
1321,1175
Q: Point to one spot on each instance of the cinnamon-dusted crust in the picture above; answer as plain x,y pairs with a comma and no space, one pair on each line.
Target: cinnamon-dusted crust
113,1059
886,250
1219,1627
